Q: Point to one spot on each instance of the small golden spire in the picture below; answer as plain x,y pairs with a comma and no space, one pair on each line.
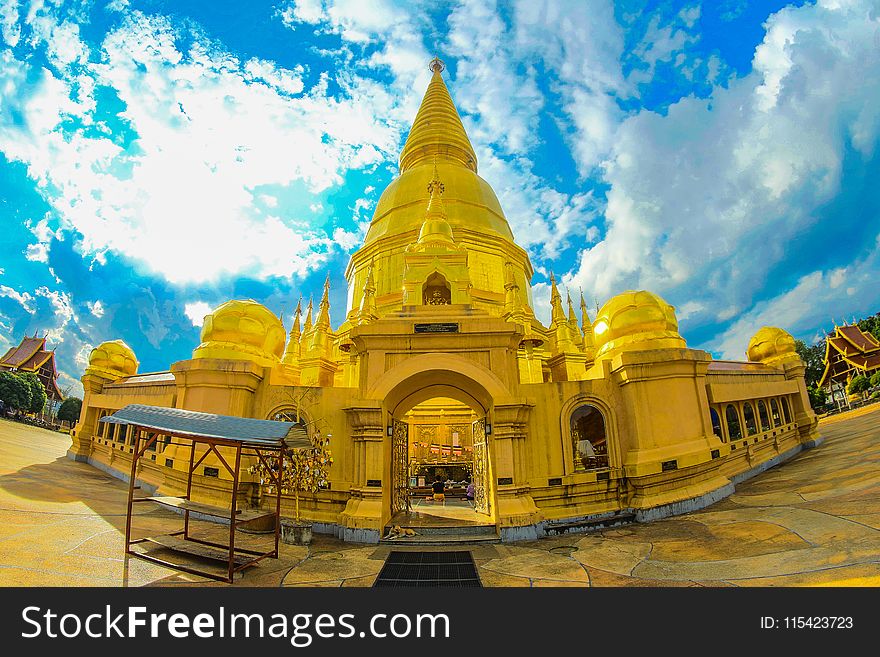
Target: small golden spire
293,350
326,289
308,326
296,315
436,184
585,316
367,311
436,65
323,320
572,318
557,313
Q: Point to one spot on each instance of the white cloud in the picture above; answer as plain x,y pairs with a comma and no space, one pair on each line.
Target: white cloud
196,312
705,201
812,302
96,308
303,11
23,298
493,58
10,30
207,131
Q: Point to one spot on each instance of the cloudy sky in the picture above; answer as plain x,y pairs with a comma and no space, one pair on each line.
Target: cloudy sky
158,157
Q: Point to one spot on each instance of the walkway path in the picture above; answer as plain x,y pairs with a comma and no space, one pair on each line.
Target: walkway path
812,521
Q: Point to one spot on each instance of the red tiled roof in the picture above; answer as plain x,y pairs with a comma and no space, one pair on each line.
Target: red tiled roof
36,361
23,352
858,338
843,346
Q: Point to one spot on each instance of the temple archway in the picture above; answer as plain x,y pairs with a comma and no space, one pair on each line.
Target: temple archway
439,426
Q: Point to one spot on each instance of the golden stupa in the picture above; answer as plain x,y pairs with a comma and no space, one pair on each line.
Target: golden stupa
441,368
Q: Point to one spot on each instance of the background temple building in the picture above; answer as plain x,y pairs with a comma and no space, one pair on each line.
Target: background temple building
849,352
442,363
31,355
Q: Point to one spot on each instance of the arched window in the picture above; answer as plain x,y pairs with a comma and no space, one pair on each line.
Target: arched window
589,439
716,423
733,428
436,291
785,412
762,415
774,411
749,417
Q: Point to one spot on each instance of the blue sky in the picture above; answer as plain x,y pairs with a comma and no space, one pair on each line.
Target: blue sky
158,158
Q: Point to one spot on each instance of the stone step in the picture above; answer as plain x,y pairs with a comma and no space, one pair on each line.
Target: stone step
449,530
444,535
442,539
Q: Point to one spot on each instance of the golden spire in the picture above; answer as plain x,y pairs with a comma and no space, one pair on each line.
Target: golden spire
323,321
435,227
319,345
572,318
368,311
512,301
557,314
308,326
296,315
294,349
437,129
587,328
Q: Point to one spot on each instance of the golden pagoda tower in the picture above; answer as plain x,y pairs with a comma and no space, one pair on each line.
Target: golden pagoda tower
438,149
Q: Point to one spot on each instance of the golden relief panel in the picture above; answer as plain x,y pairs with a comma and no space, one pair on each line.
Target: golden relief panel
487,271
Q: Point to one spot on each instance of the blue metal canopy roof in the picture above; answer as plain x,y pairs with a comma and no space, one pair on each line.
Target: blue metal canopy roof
180,422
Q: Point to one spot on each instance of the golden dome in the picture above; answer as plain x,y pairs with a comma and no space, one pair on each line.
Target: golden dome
242,330
436,230
112,360
771,346
636,320
469,202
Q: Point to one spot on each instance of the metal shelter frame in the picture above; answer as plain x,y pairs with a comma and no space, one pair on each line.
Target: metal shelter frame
267,439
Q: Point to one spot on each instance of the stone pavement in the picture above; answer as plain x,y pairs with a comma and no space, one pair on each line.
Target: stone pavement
813,521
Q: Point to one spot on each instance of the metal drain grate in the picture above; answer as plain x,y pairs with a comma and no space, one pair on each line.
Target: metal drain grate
428,569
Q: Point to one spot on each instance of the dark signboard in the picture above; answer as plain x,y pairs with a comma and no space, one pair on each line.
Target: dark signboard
442,327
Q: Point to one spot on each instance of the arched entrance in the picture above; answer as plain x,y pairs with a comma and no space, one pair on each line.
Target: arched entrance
440,461
439,424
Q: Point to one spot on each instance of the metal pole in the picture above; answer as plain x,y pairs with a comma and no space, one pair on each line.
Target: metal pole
133,475
278,499
232,512
189,480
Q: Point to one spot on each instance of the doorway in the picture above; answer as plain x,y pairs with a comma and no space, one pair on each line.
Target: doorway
440,440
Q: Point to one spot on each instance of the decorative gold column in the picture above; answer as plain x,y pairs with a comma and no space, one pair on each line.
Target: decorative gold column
515,507
368,508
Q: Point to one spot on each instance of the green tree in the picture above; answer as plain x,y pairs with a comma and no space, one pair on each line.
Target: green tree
858,384
871,325
875,379
15,393
37,392
70,409
818,397
814,359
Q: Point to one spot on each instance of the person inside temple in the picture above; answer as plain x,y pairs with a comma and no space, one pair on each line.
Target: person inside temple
586,452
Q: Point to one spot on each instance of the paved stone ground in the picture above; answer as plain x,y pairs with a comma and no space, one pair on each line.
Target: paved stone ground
814,521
